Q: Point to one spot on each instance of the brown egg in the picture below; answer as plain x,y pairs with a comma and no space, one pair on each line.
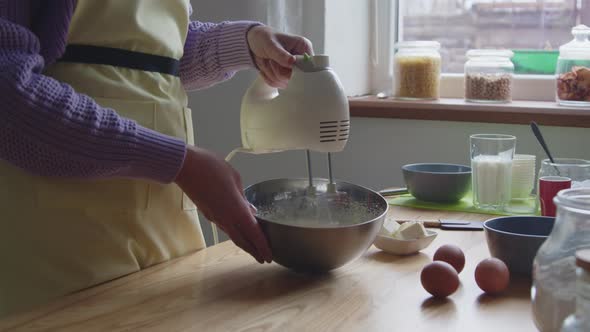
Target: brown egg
492,275
439,279
451,254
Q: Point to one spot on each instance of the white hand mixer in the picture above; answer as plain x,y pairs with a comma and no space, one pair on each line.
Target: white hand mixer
312,113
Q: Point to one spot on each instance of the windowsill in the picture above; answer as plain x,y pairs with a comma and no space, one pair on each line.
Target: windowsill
447,109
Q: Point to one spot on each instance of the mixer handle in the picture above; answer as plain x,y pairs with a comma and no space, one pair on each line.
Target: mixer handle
260,90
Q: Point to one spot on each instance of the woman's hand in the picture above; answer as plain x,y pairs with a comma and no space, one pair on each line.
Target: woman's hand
216,188
274,53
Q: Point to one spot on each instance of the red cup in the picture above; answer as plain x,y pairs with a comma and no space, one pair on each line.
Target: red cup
549,186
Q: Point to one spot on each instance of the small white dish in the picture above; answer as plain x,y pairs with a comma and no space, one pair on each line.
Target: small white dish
404,247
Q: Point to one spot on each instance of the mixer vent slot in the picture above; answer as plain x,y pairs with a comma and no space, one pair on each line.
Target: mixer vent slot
332,131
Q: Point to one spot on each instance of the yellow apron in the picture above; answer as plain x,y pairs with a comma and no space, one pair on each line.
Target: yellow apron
60,235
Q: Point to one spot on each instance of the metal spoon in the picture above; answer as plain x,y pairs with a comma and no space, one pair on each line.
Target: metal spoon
541,140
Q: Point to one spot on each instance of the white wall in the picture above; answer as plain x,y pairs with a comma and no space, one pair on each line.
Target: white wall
347,40
377,147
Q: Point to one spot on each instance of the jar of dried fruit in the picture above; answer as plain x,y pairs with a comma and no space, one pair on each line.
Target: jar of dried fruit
573,70
488,76
416,70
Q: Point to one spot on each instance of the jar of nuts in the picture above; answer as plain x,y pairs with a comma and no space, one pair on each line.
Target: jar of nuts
488,76
573,70
416,70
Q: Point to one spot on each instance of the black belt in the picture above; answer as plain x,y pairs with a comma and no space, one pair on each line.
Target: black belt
120,58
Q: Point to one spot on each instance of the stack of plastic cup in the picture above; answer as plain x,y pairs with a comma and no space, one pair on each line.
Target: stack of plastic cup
523,200
523,175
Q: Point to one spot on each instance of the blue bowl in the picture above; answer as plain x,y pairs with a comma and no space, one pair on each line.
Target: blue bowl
439,183
516,240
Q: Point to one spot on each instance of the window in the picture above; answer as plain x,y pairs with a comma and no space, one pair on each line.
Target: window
359,37
533,29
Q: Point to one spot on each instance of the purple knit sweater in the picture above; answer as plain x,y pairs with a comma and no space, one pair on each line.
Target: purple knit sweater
46,128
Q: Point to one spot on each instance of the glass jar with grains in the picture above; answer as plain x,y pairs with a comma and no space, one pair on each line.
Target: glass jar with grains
573,70
416,70
488,76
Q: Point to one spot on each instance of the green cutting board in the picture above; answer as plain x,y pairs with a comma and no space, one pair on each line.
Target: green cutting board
464,205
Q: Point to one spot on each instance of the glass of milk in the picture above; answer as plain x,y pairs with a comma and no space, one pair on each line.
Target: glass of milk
491,163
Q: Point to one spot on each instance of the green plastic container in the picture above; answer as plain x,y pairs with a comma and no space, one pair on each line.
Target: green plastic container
536,62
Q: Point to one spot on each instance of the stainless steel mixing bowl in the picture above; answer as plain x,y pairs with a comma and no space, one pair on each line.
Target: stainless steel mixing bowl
344,228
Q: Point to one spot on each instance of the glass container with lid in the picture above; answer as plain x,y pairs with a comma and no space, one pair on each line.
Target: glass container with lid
576,169
488,76
554,267
573,69
416,67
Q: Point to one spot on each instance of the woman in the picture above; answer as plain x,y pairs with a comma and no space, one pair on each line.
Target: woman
97,169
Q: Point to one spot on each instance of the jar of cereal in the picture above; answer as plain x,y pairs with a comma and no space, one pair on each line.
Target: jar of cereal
488,76
573,70
416,67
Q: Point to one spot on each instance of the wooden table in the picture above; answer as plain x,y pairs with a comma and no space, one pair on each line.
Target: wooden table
222,289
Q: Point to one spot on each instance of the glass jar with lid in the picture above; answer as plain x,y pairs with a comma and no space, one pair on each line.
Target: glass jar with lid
416,70
488,76
554,266
573,69
578,170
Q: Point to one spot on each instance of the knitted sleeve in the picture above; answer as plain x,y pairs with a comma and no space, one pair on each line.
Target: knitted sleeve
214,53
47,128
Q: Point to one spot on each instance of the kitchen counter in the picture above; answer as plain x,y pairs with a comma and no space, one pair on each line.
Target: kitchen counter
222,289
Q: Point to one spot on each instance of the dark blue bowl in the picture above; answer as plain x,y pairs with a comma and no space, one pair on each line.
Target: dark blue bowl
516,240
439,183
